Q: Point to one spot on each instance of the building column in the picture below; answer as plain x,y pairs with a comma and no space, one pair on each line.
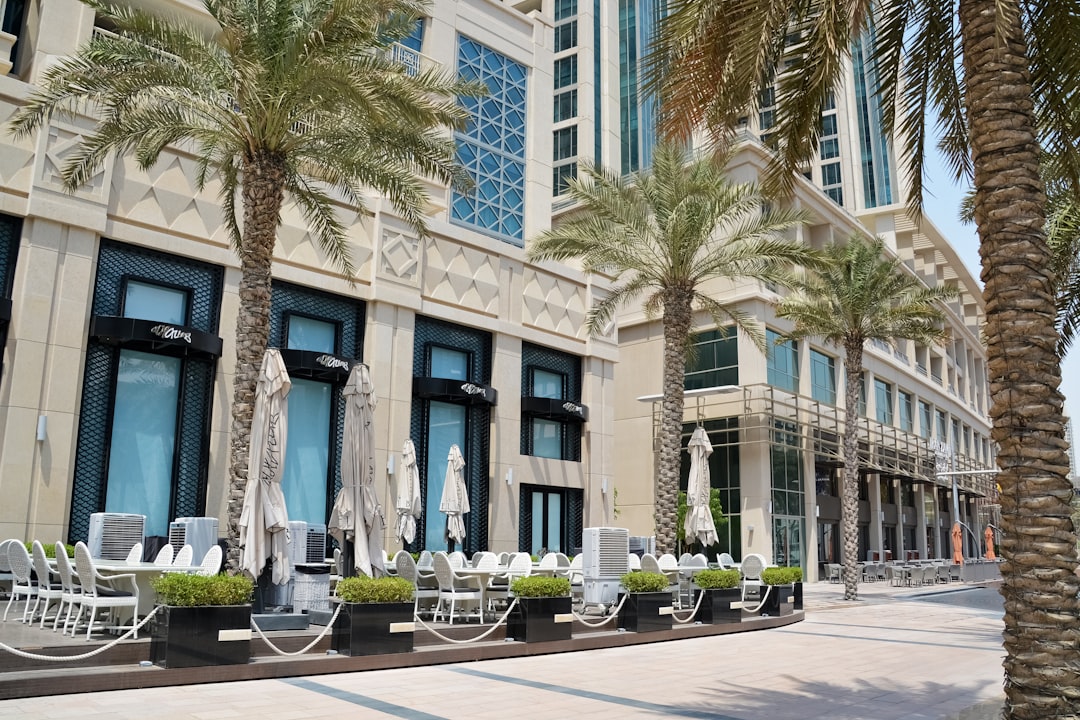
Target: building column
877,543
920,522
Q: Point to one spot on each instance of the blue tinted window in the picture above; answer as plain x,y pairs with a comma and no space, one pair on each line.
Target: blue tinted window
783,363
822,377
310,334
492,147
147,301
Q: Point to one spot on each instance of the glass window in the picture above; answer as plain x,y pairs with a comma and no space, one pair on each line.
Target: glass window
822,377
561,175
830,102
547,438
565,9
146,301
766,119
309,334
307,453
713,360
828,125
830,148
787,493
942,427
782,363
565,106
883,402
565,143
447,363
926,420
907,419
446,427
547,384
566,36
830,174
836,195
566,71
143,441
492,146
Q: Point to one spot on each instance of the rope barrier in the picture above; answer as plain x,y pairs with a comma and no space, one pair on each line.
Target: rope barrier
475,639
693,613
768,589
614,614
307,647
76,658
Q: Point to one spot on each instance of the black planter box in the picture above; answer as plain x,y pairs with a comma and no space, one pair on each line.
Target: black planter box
797,594
365,629
779,601
183,637
716,607
641,612
533,620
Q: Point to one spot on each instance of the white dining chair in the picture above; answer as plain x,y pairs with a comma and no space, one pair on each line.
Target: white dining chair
22,586
48,587
185,557
165,555
211,562
454,588
105,595
135,553
72,591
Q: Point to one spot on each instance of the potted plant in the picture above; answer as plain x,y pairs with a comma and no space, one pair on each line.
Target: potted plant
780,582
204,620
722,601
648,602
543,611
376,616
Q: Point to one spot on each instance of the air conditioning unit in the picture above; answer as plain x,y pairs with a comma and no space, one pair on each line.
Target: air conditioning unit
201,533
307,543
112,535
604,562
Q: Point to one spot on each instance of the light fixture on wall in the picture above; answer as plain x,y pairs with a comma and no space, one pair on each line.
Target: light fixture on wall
510,476
390,464
40,436
817,511
882,514
603,486
770,507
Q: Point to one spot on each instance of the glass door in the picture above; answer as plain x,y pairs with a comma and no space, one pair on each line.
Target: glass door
548,526
447,423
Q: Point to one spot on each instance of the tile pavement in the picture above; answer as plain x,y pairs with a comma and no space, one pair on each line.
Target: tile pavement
894,655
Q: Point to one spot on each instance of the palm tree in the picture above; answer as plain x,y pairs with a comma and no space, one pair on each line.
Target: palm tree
667,233
1002,79
292,99
860,294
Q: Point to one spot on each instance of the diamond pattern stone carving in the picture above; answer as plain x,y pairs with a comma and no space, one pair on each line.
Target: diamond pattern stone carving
552,303
60,143
461,275
400,257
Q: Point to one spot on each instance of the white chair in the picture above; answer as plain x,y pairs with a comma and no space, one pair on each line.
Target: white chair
725,561
649,563
426,588
47,589
548,563
455,588
72,591
504,558
6,578
836,572
135,553
633,561
457,559
485,560
668,561
165,555
425,561
211,562
577,578
751,568
21,585
96,596
185,557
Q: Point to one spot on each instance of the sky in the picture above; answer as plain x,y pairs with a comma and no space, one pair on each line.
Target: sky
942,203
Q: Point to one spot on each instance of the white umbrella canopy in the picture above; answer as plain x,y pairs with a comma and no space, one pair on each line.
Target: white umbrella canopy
455,496
264,522
699,520
408,494
357,516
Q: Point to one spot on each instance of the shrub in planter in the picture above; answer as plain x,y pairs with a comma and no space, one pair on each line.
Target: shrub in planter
721,592
543,610
648,603
205,620
376,616
782,580
50,549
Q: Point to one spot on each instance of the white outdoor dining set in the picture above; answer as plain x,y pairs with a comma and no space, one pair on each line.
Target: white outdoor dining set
451,586
122,587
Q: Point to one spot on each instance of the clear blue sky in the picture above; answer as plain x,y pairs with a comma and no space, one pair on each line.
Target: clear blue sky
942,203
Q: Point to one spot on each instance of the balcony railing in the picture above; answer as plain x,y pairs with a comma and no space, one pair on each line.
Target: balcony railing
413,61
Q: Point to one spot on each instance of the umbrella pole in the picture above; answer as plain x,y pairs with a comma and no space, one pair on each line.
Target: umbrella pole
348,559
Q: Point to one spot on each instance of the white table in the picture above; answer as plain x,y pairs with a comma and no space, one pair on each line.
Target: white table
485,575
144,573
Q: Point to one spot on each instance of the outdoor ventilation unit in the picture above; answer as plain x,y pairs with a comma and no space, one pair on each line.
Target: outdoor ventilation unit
201,533
605,551
307,543
112,535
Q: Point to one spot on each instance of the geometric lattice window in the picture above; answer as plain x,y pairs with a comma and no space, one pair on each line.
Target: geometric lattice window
492,147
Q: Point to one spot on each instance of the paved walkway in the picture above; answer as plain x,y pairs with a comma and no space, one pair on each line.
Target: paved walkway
895,655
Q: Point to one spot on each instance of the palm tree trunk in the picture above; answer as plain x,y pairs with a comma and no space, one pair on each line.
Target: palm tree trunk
676,335
262,193
1042,615
849,503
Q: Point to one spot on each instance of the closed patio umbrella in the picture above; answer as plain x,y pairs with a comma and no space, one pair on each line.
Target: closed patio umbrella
699,522
455,496
357,516
408,494
957,545
264,521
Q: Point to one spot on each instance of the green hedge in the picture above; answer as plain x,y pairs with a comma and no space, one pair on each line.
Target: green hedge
717,579
180,589
781,575
641,582
362,589
540,586
50,549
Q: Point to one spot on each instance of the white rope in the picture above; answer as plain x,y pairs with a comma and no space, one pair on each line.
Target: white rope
307,647
768,589
475,639
614,614
693,613
74,658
